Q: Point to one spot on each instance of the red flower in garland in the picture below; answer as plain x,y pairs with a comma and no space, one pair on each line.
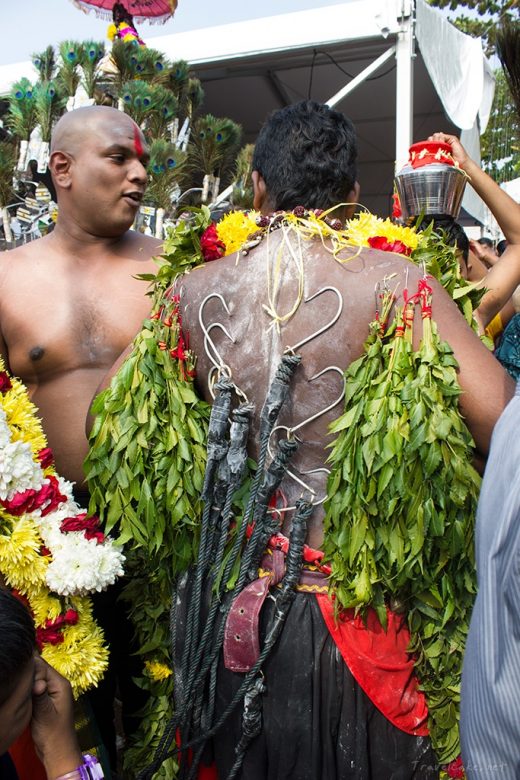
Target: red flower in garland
48,496
396,209
51,632
5,382
380,242
86,523
46,457
455,769
211,245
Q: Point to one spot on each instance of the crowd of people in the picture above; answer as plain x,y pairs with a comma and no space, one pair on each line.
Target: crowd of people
332,705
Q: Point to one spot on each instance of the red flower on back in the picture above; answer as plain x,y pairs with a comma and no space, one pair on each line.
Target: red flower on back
211,245
380,242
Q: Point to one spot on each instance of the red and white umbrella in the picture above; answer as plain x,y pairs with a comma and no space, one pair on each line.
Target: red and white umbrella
154,11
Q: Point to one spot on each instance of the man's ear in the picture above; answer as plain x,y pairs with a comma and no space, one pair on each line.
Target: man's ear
259,191
59,166
353,198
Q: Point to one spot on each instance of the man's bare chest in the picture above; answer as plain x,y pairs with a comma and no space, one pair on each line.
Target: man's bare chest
66,324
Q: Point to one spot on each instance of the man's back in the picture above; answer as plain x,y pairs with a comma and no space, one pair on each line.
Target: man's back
64,319
262,283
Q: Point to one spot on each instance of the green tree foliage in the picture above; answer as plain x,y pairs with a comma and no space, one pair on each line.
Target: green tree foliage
500,144
479,17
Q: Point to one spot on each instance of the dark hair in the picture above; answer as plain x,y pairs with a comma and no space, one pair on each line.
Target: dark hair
18,641
454,233
501,247
485,241
121,14
306,154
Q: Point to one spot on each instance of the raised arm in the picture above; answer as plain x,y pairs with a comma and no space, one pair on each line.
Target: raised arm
504,277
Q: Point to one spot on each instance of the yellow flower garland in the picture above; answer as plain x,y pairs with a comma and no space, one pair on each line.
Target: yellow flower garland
235,228
367,225
82,656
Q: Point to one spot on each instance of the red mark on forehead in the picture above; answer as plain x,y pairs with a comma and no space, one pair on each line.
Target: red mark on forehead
138,144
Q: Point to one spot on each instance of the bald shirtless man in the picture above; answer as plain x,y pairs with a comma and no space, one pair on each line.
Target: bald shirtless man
69,302
332,708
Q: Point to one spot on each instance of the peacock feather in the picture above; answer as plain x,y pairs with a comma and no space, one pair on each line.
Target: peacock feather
156,66
49,103
164,110
45,64
213,145
21,117
68,77
166,163
139,62
191,98
178,76
125,60
137,100
91,55
7,163
242,196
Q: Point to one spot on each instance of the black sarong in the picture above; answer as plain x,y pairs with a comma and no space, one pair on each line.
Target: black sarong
318,724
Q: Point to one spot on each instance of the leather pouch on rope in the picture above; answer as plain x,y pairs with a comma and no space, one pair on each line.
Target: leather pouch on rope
241,637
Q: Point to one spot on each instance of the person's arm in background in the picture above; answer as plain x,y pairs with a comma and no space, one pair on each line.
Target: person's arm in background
485,254
504,277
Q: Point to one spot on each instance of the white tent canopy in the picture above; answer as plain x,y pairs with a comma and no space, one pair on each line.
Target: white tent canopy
375,60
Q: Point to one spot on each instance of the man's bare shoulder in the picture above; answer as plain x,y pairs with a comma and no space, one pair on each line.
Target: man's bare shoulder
141,246
17,265
26,252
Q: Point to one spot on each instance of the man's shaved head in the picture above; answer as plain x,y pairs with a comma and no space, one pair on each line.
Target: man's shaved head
98,166
75,126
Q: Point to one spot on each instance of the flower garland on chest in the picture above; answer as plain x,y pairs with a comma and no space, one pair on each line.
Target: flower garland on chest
52,554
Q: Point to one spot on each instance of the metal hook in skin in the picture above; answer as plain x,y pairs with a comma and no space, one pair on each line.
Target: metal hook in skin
219,369
281,510
330,406
292,431
294,347
218,363
207,338
321,412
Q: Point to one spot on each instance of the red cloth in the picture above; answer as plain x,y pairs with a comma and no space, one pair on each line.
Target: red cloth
207,773
380,664
203,772
27,763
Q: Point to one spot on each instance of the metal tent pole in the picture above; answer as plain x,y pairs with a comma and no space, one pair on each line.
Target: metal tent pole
405,54
353,83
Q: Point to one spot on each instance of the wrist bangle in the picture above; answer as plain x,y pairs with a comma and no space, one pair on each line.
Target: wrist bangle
89,769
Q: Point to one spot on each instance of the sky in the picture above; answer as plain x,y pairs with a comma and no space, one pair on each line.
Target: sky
29,26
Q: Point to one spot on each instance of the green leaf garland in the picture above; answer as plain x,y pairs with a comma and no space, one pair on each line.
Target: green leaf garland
401,507
145,472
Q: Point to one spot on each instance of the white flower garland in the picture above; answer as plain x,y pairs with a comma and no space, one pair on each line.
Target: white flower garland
78,565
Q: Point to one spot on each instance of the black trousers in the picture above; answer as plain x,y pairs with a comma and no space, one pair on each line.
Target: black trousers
318,724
